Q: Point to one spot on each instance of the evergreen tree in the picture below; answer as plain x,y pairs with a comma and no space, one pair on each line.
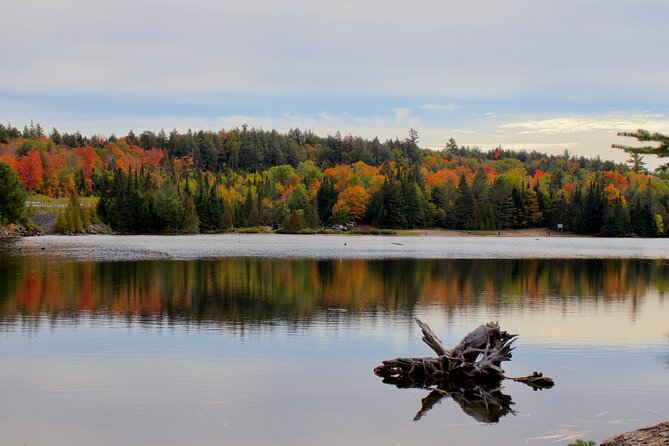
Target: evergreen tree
190,221
593,210
661,149
519,218
375,208
61,225
500,198
168,206
444,196
414,205
392,210
636,163
311,219
616,219
558,211
575,218
464,206
12,196
250,215
294,221
326,197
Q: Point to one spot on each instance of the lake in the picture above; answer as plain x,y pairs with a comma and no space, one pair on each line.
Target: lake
272,339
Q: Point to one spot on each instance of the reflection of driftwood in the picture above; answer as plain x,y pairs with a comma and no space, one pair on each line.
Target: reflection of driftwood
486,405
470,373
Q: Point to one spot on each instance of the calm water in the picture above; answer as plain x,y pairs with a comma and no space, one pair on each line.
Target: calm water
266,340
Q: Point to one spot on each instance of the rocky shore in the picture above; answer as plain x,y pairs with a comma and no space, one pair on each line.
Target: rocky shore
16,230
657,435
42,223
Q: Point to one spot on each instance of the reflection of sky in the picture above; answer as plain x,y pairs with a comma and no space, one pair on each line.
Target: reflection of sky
293,377
572,322
114,382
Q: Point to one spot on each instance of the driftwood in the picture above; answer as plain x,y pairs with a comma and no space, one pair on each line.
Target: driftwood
470,373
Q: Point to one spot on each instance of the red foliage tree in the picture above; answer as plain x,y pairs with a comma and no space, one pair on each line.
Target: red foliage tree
31,171
89,159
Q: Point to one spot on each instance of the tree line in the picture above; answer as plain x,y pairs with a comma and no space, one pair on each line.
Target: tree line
208,181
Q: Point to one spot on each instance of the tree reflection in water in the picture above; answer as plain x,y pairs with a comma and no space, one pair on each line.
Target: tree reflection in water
258,290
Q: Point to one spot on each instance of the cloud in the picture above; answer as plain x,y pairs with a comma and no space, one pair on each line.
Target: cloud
582,124
440,52
448,108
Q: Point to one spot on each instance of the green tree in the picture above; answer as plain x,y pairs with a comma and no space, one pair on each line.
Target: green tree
299,199
190,221
414,205
12,196
294,221
62,225
464,205
636,163
660,149
616,219
500,198
593,210
326,197
531,206
392,209
451,146
168,206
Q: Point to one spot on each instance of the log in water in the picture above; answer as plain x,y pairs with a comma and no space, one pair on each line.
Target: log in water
476,359
470,373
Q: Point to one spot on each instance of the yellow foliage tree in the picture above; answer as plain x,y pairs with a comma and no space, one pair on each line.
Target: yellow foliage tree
356,199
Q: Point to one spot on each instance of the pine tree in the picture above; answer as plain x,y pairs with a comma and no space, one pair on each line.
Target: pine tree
168,206
326,197
500,197
414,205
593,210
464,206
392,210
661,149
12,196
616,219
60,226
311,219
190,221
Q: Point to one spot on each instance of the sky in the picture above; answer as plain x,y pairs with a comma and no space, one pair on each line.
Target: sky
547,76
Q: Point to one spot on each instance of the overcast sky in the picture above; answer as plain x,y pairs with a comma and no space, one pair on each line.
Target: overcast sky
544,75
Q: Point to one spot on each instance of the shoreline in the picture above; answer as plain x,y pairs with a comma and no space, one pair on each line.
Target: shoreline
16,230
526,232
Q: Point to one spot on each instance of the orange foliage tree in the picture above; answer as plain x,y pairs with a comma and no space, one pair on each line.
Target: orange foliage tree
356,199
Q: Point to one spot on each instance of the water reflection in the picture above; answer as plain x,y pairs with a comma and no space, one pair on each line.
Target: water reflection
157,347
485,405
255,290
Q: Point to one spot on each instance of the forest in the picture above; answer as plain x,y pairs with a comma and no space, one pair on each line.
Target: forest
299,182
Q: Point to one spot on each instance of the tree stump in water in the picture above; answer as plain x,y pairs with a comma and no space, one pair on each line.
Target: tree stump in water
470,372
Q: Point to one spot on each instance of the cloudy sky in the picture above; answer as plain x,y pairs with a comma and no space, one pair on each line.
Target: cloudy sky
546,75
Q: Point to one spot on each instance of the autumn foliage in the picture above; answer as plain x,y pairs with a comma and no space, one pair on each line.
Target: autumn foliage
212,181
